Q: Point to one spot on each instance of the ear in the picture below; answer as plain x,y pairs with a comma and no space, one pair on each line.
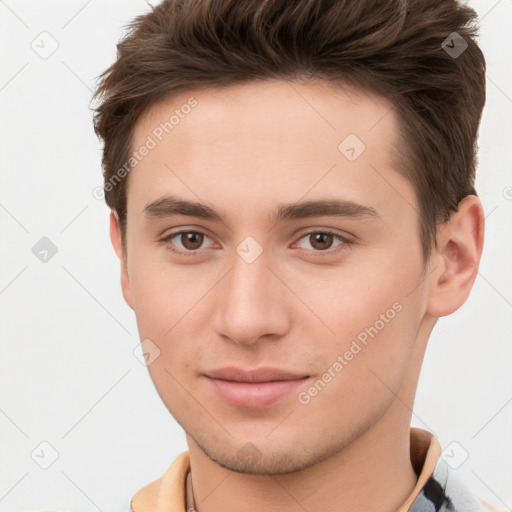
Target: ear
456,260
117,243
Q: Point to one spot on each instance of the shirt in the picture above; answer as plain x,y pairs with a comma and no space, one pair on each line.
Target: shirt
437,488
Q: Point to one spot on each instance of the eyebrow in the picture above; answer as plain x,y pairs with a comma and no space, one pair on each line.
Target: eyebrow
170,205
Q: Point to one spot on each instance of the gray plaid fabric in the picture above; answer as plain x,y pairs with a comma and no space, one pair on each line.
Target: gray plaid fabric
444,492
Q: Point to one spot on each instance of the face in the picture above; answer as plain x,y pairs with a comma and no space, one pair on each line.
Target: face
305,257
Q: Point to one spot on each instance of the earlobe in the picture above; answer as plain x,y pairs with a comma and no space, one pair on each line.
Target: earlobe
117,243
456,261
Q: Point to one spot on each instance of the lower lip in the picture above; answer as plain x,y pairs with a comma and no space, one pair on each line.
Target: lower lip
255,395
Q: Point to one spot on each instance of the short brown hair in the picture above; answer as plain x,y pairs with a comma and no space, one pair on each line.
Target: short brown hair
399,49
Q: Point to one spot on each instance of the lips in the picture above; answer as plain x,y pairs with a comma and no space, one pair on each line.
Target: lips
253,389
264,374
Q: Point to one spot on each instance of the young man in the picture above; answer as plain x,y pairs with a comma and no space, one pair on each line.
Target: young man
293,207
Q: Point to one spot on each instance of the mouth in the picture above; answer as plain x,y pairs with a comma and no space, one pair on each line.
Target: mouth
253,389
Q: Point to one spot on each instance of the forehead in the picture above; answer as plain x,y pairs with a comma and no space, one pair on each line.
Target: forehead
269,141
267,107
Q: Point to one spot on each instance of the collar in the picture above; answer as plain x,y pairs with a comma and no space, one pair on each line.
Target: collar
167,494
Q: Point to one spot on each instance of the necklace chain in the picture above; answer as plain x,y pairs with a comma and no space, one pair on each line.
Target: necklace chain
191,506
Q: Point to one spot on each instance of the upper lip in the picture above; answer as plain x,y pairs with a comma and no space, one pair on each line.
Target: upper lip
264,374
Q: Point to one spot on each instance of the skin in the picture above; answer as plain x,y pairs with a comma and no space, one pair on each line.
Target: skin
242,151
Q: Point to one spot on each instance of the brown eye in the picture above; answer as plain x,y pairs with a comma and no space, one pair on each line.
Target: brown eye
185,242
191,240
321,241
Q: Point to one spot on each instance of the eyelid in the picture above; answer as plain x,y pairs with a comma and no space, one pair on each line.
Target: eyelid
346,241
331,231
165,239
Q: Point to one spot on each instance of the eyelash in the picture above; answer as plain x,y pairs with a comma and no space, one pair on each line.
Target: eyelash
328,252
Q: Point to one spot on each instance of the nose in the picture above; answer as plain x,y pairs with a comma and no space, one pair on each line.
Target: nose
251,302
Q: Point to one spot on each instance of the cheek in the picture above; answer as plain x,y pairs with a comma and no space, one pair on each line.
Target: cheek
362,371
351,298
162,293
171,307
371,313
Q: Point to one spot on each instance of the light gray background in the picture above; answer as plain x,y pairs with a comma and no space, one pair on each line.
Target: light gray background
68,374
